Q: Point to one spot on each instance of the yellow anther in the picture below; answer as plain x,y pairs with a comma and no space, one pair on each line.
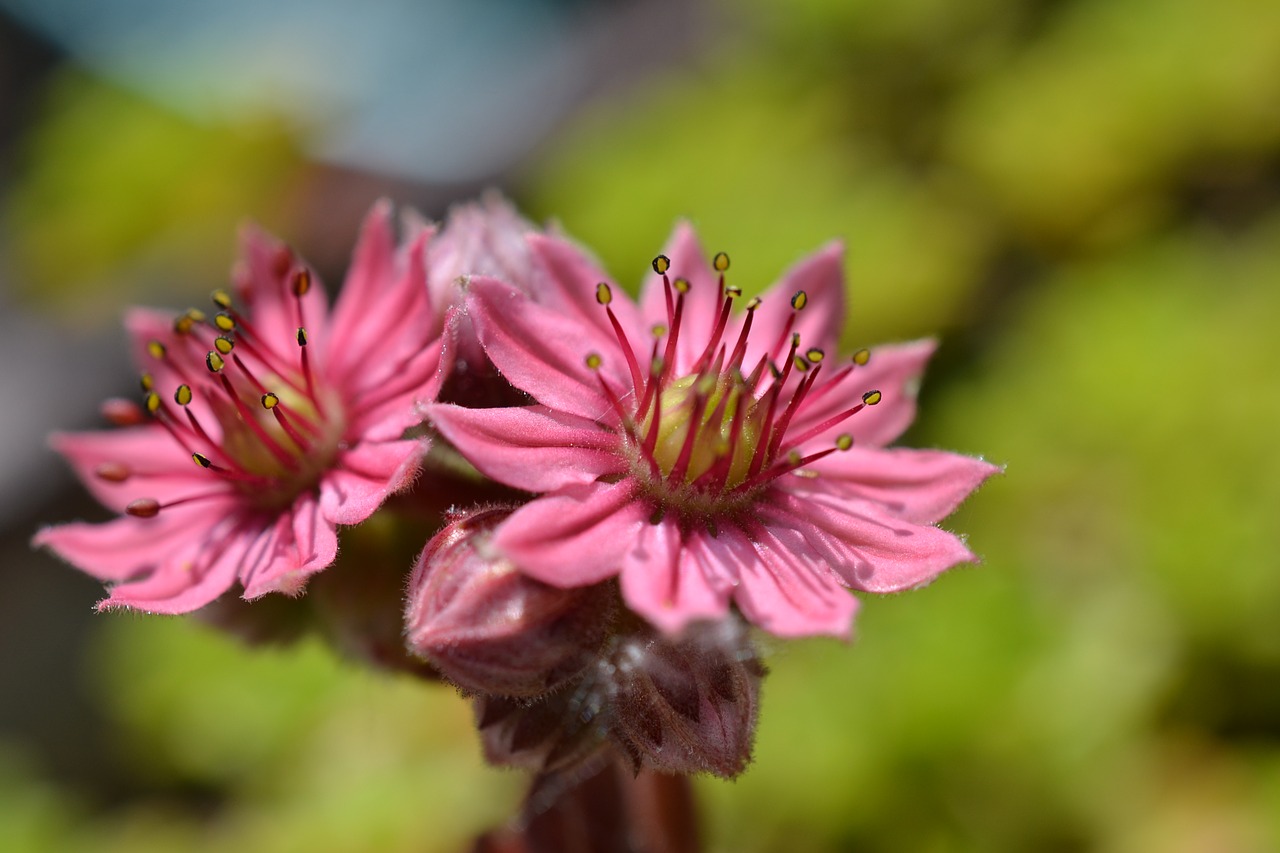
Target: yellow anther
223,345
861,357
270,401
183,395
201,460
302,337
593,360
794,457
795,339
800,363
153,402
301,282
844,442
872,397
814,355
681,285
183,324
147,381
732,291
658,330
799,300
157,350
604,293
196,314
224,322
222,299
754,303
661,264
214,362
720,262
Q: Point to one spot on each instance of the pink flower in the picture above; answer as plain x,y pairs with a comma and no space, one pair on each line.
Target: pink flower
706,456
273,422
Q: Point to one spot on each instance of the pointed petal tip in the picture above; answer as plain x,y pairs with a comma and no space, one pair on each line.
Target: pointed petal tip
40,539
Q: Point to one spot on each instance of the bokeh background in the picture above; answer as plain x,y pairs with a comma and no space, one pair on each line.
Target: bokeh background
1081,198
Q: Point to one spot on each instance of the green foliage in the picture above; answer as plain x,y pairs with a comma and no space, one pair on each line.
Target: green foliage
267,749
119,197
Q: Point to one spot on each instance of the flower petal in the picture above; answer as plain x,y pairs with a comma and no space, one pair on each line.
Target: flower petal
782,587
383,317
127,547
189,578
570,288
575,538
922,486
382,412
871,550
542,352
672,582
301,543
536,449
480,238
364,476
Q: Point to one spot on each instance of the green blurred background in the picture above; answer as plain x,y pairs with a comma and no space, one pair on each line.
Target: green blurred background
1081,198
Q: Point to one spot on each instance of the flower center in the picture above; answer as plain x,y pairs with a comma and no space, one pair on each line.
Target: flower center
705,442
277,430
719,438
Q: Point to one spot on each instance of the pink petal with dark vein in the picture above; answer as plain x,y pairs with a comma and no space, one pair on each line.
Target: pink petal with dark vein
303,542
923,486
872,550
575,538
382,412
781,588
536,449
383,316
542,352
125,547
188,578
570,288
364,476
672,582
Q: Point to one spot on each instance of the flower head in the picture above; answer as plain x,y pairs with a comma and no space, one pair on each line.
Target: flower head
272,421
705,453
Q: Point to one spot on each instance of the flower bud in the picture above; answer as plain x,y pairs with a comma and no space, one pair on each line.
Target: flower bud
560,732
491,630
688,704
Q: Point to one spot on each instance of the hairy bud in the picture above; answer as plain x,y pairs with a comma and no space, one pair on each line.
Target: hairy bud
491,630
688,704
557,733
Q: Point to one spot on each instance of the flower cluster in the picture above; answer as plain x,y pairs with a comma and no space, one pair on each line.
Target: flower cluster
630,484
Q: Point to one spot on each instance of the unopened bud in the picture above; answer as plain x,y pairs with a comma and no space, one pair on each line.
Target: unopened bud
491,630
688,705
557,733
